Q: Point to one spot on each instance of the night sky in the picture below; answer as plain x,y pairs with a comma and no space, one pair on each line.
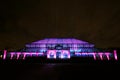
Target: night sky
25,21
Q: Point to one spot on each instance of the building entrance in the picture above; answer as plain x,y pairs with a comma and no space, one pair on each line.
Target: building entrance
62,54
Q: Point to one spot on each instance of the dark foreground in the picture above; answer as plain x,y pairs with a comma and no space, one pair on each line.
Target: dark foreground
91,70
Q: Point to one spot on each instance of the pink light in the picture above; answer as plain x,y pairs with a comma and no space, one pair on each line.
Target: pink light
115,55
65,51
94,56
78,53
11,55
107,54
24,55
75,47
41,53
31,54
84,53
51,52
101,56
5,52
36,54
18,54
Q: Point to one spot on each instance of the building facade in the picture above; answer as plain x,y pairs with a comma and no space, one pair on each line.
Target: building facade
60,48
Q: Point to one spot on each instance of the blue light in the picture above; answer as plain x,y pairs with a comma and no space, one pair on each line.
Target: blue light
71,50
78,50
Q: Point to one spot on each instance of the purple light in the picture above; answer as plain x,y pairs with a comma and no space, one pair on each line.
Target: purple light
11,55
115,55
24,55
31,54
101,57
60,48
94,56
51,52
65,52
77,53
37,54
55,40
107,54
5,53
18,54
75,46
62,55
85,53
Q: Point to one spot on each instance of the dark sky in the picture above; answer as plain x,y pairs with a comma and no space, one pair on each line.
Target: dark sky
24,21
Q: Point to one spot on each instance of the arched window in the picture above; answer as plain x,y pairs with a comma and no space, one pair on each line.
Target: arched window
65,54
51,54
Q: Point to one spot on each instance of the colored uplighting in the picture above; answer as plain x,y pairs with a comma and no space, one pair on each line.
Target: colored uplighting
24,55
107,54
5,53
18,55
115,55
12,54
94,56
51,54
65,54
101,57
54,48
